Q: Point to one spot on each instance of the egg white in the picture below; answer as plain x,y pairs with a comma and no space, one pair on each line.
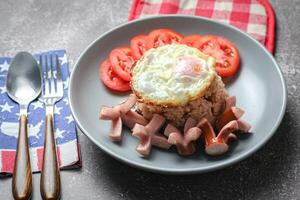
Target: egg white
160,77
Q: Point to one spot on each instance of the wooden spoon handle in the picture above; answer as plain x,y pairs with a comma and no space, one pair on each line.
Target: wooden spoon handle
22,178
50,178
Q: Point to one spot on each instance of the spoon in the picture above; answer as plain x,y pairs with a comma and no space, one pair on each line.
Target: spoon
23,85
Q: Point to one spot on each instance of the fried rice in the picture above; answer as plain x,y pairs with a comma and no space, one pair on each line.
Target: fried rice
210,106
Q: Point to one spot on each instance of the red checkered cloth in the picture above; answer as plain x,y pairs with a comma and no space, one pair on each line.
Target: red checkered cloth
256,17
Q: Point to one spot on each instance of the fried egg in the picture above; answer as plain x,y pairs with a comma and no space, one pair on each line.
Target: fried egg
172,75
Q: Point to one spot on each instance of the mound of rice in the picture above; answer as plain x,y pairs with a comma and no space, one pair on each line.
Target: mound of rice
210,106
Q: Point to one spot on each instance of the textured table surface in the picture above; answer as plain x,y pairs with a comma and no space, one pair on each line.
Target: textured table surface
271,173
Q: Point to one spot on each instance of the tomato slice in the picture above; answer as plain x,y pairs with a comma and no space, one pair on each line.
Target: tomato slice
111,79
138,45
191,39
160,37
122,62
226,54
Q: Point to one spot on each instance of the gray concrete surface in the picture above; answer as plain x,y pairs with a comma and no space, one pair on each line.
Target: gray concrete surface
271,173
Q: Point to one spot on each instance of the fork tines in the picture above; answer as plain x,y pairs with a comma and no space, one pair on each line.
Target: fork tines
52,77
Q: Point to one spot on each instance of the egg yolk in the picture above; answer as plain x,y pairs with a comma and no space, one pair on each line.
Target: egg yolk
188,66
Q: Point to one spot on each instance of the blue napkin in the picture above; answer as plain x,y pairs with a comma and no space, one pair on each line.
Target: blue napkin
65,127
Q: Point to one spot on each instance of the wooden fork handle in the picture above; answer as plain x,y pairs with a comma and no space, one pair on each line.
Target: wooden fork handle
22,178
50,178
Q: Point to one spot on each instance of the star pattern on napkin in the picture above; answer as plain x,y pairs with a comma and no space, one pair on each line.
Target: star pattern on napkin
64,122
4,66
6,107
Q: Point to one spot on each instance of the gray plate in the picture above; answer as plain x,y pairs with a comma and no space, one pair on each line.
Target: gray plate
259,87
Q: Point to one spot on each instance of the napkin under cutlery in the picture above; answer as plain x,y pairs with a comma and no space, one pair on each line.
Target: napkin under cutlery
66,137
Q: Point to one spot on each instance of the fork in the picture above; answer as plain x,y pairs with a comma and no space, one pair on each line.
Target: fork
51,93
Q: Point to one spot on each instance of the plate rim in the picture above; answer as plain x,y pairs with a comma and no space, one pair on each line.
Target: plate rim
194,170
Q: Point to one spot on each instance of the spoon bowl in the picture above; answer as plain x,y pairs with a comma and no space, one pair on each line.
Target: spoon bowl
24,82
